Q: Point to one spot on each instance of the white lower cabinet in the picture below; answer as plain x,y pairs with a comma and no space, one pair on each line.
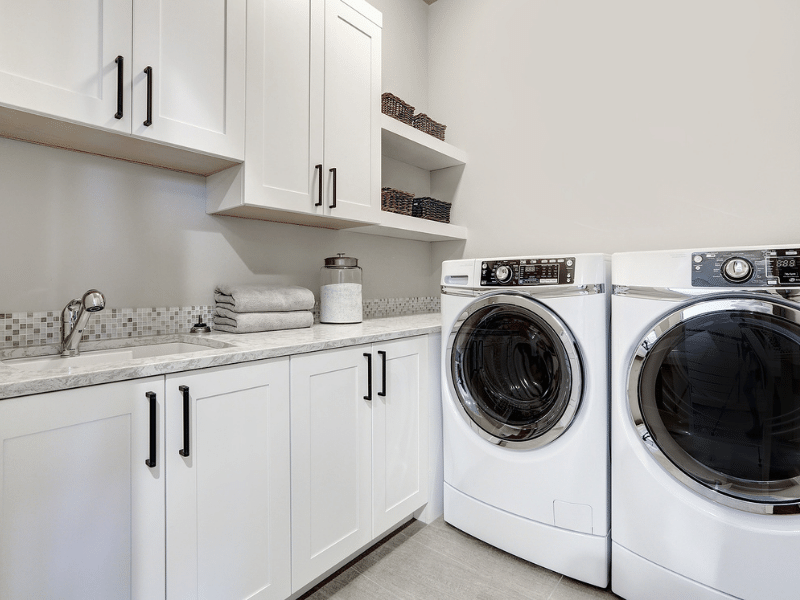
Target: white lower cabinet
400,431
359,449
227,460
179,486
81,513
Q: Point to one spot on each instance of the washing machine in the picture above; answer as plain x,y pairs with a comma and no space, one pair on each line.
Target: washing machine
705,424
525,407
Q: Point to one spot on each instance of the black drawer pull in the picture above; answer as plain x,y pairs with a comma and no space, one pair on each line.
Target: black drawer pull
383,370
369,376
334,187
120,83
151,397
149,72
186,421
319,199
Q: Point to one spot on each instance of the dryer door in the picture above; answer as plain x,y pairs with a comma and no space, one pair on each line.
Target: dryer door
714,389
514,370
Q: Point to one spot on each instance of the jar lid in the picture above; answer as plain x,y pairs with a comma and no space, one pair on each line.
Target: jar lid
340,260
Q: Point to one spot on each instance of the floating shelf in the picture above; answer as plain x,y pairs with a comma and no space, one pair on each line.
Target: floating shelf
409,145
413,228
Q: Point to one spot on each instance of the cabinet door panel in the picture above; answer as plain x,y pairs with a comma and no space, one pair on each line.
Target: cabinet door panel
196,51
352,109
58,59
400,437
81,515
285,104
331,435
228,501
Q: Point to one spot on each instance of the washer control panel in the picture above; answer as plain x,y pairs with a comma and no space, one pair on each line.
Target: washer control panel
746,268
528,271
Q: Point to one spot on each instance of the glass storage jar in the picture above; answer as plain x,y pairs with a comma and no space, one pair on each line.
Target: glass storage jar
340,290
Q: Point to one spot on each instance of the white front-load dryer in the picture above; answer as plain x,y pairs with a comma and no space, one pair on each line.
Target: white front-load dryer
705,424
525,407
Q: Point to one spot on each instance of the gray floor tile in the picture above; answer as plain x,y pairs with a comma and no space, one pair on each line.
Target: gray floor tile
532,581
569,589
439,562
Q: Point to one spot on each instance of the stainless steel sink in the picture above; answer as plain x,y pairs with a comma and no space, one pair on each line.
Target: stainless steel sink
113,356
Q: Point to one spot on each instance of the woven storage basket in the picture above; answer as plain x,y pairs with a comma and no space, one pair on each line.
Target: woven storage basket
397,201
394,107
431,209
424,123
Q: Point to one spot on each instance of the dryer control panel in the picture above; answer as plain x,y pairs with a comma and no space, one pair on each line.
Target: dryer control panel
747,268
528,271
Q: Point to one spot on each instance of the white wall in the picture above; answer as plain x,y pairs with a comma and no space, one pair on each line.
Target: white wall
619,125
405,50
71,221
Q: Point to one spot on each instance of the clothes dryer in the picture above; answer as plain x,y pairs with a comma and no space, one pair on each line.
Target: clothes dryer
525,407
705,424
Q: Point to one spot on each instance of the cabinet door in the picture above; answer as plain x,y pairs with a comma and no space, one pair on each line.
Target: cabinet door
331,433
228,489
58,59
352,112
400,431
81,514
196,51
285,77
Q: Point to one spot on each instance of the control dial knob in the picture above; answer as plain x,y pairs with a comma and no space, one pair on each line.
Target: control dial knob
503,274
737,269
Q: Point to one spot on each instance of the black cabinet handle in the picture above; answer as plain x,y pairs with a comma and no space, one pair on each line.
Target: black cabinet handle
120,82
185,391
383,371
334,187
319,198
149,72
151,397
369,376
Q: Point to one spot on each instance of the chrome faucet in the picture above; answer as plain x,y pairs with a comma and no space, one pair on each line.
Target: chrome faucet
74,318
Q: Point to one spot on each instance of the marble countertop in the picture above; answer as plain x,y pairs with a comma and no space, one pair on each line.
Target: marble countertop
227,349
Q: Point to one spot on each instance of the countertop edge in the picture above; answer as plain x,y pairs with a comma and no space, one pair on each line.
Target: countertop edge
240,349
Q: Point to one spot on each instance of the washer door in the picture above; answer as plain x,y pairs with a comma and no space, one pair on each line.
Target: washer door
514,370
715,392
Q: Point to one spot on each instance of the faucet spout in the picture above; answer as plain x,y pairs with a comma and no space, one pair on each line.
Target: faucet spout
74,318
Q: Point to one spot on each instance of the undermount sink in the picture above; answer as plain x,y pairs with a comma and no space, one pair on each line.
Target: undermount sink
98,357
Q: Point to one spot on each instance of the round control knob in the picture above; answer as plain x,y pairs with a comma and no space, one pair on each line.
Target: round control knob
737,270
503,274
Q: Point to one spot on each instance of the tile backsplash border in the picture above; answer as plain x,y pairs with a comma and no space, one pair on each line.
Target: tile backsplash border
21,330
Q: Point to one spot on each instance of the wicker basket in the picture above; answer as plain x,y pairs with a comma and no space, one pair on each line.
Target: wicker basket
431,209
397,201
394,107
424,123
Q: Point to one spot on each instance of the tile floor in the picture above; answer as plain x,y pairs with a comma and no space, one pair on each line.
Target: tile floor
439,562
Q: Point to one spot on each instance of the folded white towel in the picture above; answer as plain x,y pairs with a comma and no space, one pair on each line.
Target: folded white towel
234,322
247,298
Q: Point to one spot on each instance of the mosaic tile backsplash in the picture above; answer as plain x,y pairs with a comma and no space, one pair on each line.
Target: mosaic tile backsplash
44,328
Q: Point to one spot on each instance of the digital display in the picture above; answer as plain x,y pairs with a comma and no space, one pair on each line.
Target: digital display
539,274
786,269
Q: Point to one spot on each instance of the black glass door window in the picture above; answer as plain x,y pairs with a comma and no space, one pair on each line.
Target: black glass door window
720,394
512,372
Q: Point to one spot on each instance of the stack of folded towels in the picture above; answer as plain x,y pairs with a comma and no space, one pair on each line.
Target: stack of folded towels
253,308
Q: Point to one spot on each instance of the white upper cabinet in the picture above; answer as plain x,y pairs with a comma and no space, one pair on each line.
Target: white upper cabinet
312,147
196,53
352,112
59,59
83,62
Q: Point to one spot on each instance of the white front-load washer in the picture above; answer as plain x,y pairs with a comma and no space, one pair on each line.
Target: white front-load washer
525,407
705,424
